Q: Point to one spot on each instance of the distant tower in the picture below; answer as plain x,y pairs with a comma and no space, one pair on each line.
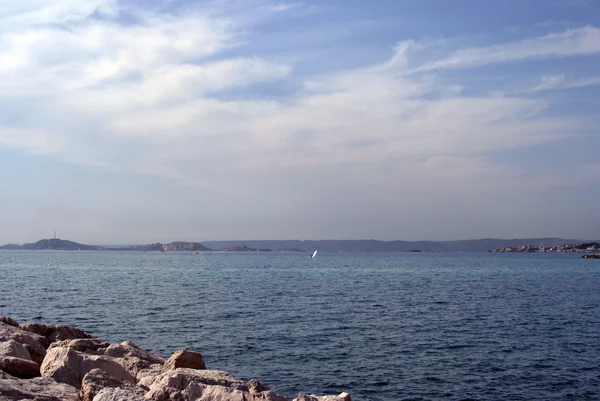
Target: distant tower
54,234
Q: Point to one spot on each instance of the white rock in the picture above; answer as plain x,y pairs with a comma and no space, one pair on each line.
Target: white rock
13,348
117,394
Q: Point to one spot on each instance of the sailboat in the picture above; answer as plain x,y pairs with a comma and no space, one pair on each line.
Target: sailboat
314,254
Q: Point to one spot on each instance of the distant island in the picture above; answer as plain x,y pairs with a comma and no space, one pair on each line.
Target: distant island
332,246
52,244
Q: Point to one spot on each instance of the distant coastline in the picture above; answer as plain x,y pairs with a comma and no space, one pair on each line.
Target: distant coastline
337,246
581,247
56,244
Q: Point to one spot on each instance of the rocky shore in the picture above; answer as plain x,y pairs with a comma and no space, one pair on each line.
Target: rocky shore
591,256
41,362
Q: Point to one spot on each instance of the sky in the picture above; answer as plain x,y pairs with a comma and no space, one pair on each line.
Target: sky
155,121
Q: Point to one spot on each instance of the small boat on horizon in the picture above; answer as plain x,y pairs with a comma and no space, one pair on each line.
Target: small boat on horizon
314,254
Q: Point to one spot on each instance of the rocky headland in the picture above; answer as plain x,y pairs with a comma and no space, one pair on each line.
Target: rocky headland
61,363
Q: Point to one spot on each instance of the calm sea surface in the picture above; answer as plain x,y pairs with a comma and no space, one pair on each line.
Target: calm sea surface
380,326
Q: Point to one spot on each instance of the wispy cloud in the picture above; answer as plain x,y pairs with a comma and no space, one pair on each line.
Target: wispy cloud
574,42
561,82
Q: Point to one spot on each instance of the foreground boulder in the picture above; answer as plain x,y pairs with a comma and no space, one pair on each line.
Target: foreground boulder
96,380
55,333
38,389
133,358
18,367
91,346
35,344
9,321
65,365
13,348
185,359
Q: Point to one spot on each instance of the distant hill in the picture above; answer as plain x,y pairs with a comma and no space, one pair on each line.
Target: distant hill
171,246
59,245
11,247
243,248
478,245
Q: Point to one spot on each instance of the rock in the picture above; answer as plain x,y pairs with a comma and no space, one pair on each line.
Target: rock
37,328
62,333
9,321
591,256
13,348
24,337
133,358
18,367
311,397
127,354
96,380
254,386
36,353
117,394
91,346
152,371
35,344
201,385
185,359
38,389
65,365
55,333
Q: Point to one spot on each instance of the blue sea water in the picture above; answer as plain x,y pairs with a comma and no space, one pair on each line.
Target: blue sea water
380,326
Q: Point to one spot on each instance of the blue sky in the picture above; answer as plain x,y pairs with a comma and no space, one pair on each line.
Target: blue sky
128,121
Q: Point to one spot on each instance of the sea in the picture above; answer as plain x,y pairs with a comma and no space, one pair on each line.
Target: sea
405,326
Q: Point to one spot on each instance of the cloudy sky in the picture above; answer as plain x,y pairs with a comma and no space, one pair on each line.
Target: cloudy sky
130,121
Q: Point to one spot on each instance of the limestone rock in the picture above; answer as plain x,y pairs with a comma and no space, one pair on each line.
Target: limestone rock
35,344
201,385
255,386
37,328
13,348
18,367
65,365
9,321
185,359
96,380
133,358
55,333
117,394
38,389
91,346
311,397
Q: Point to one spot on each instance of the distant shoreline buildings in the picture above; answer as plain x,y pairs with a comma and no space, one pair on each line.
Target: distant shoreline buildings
583,247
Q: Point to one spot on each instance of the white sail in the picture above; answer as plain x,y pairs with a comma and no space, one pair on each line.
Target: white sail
314,254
